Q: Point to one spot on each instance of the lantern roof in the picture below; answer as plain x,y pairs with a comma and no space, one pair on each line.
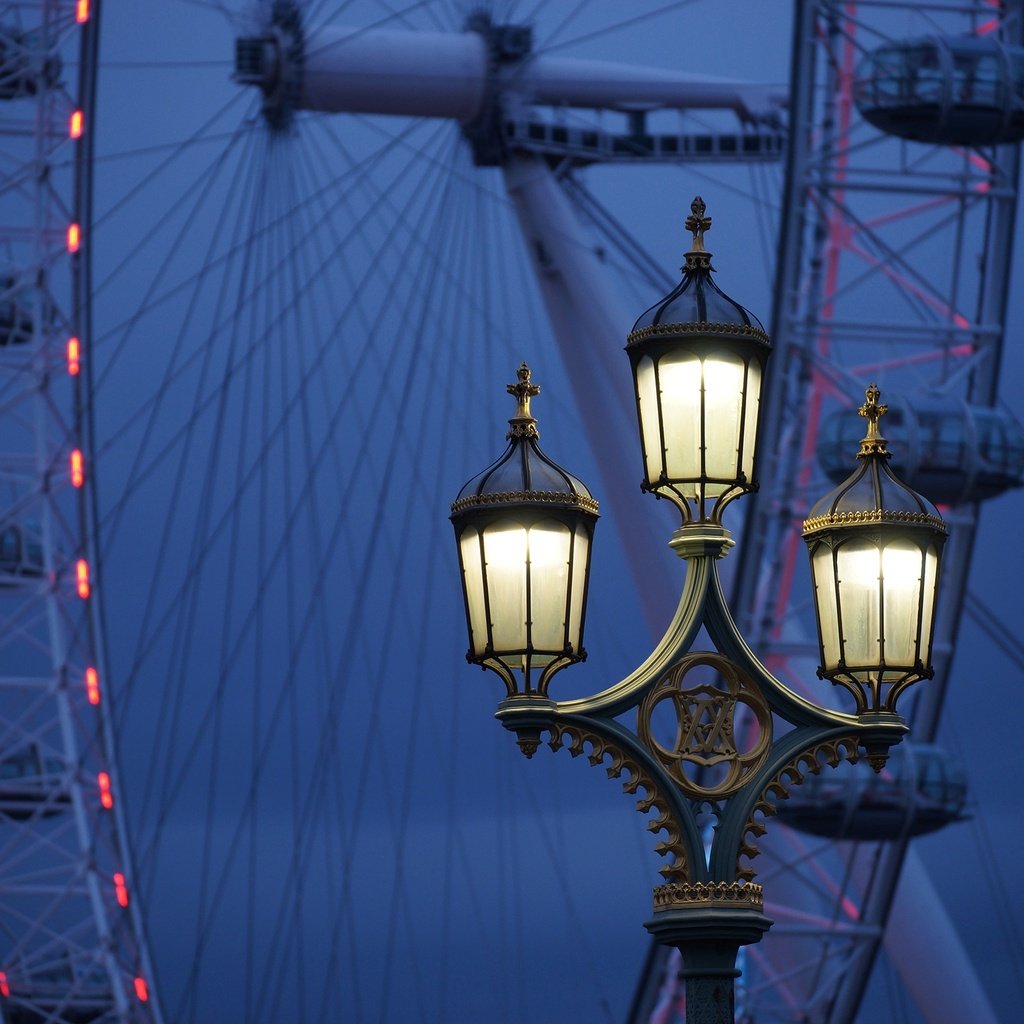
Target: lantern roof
873,493
697,305
524,475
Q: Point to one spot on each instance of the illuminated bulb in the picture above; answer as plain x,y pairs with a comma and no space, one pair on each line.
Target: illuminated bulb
77,469
82,11
74,356
92,685
82,578
75,126
74,237
5,988
120,889
142,990
106,797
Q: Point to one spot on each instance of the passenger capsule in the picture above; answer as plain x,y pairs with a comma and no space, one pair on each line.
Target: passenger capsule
32,785
20,308
942,447
25,67
21,554
920,790
951,90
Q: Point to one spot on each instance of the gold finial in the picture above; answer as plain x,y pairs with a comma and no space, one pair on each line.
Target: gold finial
698,257
872,410
523,424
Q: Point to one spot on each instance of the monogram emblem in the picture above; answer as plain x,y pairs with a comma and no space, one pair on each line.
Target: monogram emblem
711,735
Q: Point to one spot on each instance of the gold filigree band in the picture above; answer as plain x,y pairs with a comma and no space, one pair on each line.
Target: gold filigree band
582,501
872,517
668,330
709,894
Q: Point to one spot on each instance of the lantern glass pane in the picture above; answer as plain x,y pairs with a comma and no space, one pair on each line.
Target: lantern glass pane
580,557
902,567
505,547
723,406
473,582
680,378
753,392
549,545
825,598
858,566
647,395
931,569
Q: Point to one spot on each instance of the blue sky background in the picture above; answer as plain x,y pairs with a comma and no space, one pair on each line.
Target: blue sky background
477,886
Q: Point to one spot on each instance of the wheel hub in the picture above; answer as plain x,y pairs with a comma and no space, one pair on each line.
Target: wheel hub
274,61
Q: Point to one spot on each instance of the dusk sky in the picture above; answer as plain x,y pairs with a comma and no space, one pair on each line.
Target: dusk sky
302,347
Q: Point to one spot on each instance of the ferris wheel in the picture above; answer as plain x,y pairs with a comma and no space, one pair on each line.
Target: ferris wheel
265,267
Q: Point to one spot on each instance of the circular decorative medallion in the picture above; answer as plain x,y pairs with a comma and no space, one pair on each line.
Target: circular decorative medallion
706,726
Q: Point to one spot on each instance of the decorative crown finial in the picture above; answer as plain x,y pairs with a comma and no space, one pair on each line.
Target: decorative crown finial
873,410
523,424
698,258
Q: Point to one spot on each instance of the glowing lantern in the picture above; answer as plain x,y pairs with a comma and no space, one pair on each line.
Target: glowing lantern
524,529
698,363
875,547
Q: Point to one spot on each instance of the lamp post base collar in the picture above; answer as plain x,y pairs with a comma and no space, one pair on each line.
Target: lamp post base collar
694,540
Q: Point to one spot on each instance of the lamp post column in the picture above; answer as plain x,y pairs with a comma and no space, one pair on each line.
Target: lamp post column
708,933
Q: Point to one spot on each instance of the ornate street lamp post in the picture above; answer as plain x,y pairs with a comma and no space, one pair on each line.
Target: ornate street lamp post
739,738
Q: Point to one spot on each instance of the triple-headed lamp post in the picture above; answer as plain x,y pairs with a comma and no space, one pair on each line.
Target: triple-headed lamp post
738,738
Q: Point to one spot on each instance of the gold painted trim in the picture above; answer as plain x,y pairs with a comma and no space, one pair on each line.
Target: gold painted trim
576,739
521,497
830,752
701,327
872,410
709,894
871,518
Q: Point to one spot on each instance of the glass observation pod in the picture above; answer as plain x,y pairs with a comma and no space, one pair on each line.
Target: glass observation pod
31,785
50,984
18,305
920,790
21,553
24,65
947,449
956,90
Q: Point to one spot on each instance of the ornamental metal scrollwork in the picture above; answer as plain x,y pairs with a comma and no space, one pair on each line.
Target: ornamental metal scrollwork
830,752
706,725
574,738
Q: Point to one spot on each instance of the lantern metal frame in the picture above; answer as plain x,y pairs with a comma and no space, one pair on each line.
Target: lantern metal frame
573,507
744,339
878,685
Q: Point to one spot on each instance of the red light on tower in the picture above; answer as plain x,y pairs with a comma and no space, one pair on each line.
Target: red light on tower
77,468
75,124
5,988
82,578
142,990
82,11
120,889
92,685
74,237
74,356
106,797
